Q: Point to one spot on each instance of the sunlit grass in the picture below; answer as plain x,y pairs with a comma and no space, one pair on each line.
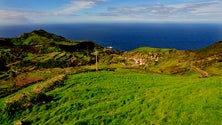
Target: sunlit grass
123,97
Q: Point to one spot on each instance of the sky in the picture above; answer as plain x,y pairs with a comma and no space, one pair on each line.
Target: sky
91,11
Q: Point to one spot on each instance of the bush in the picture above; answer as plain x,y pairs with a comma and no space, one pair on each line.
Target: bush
22,101
50,84
37,95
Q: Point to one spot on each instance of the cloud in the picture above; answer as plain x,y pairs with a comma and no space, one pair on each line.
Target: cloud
13,17
195,7
20,17
24,17
76,5
191,10
213,9
201,11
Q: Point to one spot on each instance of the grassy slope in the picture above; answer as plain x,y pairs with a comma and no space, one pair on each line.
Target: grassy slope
210,50
124,97
170,61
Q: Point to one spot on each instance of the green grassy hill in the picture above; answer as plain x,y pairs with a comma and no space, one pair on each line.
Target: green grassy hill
117,97
40,49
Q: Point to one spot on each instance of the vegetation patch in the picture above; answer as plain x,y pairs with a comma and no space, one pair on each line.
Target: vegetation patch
28,81
22,101
50,84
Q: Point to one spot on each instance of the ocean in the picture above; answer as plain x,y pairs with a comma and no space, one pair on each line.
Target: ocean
128,36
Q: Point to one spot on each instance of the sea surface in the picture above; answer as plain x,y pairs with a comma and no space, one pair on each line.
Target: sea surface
128,36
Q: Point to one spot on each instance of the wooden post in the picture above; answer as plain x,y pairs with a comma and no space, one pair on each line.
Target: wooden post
96,62
96,54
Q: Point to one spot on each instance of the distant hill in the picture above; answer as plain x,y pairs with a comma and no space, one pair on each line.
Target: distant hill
40,49
37,37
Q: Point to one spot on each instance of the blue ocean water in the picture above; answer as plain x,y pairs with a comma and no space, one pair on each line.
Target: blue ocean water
128,36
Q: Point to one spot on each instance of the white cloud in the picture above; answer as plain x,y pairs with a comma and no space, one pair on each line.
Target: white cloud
191,11
13,17
20,17
76,5
203,11
212,9
24,17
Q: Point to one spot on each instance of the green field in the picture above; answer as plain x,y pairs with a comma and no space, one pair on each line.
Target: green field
123,97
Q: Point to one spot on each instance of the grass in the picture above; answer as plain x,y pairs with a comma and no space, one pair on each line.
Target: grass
210,50
149,49
4,50
124,97
67,43
214,69
30,56
4,86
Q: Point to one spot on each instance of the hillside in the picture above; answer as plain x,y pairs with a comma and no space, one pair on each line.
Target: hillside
116,97
25,55
47,79
40,49
205,62
212,50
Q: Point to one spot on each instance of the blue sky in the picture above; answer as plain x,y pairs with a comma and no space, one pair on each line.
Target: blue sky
75,11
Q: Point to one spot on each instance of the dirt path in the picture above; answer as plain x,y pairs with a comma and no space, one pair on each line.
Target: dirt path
202,73
28,81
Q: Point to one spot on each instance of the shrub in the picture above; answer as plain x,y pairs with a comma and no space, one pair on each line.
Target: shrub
50,84
25,100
